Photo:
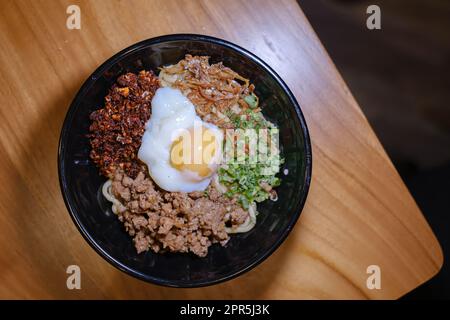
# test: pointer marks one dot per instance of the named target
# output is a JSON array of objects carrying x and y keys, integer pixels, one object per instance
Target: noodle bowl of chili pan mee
[{"x": 184, "y": 160}]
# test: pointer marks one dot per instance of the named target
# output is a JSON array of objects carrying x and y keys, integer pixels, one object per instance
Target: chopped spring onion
[{"x": 251, "y": 100}]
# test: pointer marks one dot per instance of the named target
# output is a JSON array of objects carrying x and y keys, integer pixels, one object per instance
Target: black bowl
[{"x": 81, "y": 183}]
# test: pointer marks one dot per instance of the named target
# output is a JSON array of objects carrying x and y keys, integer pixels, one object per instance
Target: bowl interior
[{"x": 81, "y": 182}]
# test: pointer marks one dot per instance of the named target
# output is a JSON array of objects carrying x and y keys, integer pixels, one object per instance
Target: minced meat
[{"x": 173, "y": 221}]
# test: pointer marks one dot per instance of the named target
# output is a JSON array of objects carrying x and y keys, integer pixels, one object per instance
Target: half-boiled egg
[{"x": 181, "y": 151}]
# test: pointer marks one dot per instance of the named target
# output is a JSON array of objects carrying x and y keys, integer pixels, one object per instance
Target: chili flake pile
[{"x": 116, "y": 130}]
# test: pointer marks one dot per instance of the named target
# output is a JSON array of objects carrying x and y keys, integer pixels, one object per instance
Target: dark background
[{"x": 400, "y": 77}]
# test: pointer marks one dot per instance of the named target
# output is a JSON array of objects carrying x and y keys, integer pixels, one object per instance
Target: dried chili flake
[{"x": 116, "y": 130}]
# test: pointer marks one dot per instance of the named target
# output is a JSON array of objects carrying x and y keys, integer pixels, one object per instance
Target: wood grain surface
[{"x": 358, "y": 212}]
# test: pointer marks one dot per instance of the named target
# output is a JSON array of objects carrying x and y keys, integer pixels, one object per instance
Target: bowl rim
[{"x": 65, "y": 132}]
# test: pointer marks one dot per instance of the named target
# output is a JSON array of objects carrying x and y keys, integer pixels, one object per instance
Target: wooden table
[{"x": 358, "y": 212}]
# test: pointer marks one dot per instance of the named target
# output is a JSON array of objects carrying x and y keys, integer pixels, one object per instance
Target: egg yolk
[{"x": 194, "y": 151}]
